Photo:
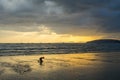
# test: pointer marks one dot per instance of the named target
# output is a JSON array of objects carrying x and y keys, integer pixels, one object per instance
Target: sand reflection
[
  {"x": 27, "y": 64},
  {"x": 57, "y": 67}
]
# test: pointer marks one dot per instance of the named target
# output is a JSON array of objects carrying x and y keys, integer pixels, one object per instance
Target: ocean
[
  {"x": 38, "y": 48},
  {"x": 54, "y": 48}
]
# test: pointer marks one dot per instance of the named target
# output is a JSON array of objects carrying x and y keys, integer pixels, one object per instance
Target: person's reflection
[{"x": 40, "y": 61}]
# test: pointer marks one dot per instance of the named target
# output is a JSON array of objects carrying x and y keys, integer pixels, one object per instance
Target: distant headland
[{"x": 104, "y": 41}]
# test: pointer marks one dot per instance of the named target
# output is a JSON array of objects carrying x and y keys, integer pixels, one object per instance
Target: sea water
[{"x": 38, "y": 48}]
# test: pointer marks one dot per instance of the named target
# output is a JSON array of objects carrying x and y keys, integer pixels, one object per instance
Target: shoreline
[{"x": 60, "y": 53}]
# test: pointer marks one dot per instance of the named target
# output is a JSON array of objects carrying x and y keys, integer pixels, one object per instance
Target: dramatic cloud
[
  {"x": 106, "y": 13},
  {"x": 73, "y": 17}
]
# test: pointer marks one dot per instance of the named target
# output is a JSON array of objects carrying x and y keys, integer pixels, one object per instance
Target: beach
[{"x": 80, "y": 66}]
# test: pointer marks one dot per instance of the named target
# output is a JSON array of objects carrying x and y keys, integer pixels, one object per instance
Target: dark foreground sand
[{"x": 87, "y": 66}]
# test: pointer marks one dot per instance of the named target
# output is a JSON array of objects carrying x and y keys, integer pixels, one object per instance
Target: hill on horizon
[
  {"x": 102, "y": 45},
  {"x": 104, "y": 41}
]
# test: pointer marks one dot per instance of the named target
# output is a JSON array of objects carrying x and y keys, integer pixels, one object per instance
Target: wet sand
[{"x": 86, "y": 66}]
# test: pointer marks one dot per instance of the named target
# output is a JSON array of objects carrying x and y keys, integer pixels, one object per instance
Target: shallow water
[{"x": 86, "y": 66}]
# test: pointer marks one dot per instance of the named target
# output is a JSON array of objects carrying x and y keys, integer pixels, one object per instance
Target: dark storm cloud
[
  {"x": 81, "y": 5},
  {"x": 106, "y": 13},
  {"x": 25, "y": 13},
  {"x": 63, "y": 15}
]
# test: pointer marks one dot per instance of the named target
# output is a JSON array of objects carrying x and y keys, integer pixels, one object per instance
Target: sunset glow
[
  {"x": 44, "y": 35},
  {"x": 58, "y": 21}
]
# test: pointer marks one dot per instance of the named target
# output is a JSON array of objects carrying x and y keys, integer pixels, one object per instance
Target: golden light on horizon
[{"x": 44, "y": 35}]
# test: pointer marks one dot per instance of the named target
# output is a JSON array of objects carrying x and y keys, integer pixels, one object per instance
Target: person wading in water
[{"x": 41, "y": 60}]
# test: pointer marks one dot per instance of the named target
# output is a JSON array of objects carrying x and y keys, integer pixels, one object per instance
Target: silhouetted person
[{"x": 41, "y": 60}]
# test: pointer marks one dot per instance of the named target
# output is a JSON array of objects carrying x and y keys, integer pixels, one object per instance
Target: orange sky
[{"x": 45, "y": 35}]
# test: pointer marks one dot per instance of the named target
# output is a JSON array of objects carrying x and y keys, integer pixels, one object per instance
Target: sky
[{"x": 53, "y": 21}]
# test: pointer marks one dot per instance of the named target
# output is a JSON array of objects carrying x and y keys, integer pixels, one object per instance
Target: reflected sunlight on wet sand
[{"x": 85, "y": 66}]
